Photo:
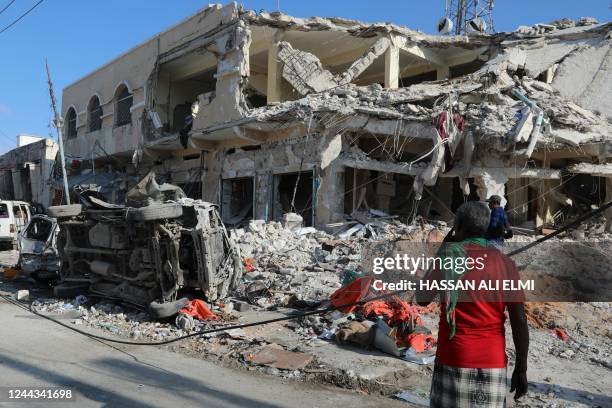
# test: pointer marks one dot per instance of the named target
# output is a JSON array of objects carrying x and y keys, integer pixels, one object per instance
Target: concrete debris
[
  {"x": 276, "y": 357},
  {"x": 298, "y": 267},
  {"x": 293, "y": 221},
  {"x": 23, "y": 295},
  {"x": 287, "y": 261},
  {"x": 304, "y": 71}
]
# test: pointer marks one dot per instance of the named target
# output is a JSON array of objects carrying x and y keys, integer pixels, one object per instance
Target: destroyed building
[
  {"x": 27, "y": 170},
  {"x": 265, "y": 114}
]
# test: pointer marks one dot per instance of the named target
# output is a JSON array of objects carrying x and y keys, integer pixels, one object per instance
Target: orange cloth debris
[
  {"x": 198, "y": 309},
  {"x": 249, "y": 264},
  {"x": 351, "y": 293},
  {"x": 394, "y": 309},
  {"x": 419, "y": 342}
]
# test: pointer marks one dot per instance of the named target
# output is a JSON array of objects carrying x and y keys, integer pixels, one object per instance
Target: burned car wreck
[
  {"x": 38, "y": 254},
  {"x": 143, "y": 253}
]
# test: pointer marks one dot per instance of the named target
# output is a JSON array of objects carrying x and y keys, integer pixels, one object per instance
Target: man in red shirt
[{"x": 471, "y": 361}]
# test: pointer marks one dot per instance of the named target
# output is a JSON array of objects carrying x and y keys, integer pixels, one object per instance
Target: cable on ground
[{"x": 292, "y": 316}]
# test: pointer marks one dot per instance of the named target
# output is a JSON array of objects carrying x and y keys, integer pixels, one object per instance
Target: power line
[
  {"x": 7, "y": 6},
  {"x": 21, "y": 16}
]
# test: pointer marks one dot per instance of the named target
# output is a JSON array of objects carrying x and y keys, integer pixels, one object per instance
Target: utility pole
[{"x": 58, "y": 122}]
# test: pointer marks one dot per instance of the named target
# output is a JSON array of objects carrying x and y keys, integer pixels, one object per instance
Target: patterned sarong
[{"x": 468, "y": 387}]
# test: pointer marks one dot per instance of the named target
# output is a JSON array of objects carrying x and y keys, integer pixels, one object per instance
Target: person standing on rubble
[
  {"x": 471, "y": 362},
  {"x": 499, "y": 226}
]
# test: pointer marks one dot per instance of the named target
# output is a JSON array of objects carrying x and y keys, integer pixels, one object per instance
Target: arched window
[
  {"x": 94, "y": 114},
  {"x": 123, "y": 103},
  {"x": 71, "y": 122}
]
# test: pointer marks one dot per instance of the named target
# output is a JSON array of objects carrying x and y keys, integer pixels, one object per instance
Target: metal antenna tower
[{"x": 470, "y": 15}]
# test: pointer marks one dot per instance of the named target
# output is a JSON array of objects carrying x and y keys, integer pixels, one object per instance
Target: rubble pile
[
  {"x": 307, "y": 265},
  {"x": 289, "y": 261}
]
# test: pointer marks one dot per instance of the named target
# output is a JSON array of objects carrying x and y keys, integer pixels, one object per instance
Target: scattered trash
[
  {"x": 561, "y": 333},
  {"x": 257, "y": 291},
  {"x": 351, "y": 293},
  {"x": 413, "y": 356},
  {"x": 357, "y": 333},
  {"x": 23, "y": 295},
  {"x": 237, "y": 334},
  {"x": 350, "y": 276},
  {"x": 198, "y": 309},
  {"x": 413, "y": 398},
  {"x": 185, "y": 322},
  {"x": 80, "y": 300},
  {"x": 249, "y": 264},
  {"x": 420, "y": 342},
  {"x": 328, "y": 334},
  {"x": 384, "y": 339}
]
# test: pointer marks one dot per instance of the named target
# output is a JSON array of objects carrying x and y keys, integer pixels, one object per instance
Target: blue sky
[{"x": 77, "y": 36}]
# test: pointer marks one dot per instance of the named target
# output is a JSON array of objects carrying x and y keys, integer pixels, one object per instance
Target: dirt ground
[{"x": 570, "y": 372}]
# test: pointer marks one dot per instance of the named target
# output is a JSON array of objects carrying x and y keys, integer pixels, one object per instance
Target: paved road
[{"x": 37, "y": 353}]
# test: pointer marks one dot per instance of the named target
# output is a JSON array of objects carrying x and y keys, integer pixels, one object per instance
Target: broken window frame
[
  {"x": 222, "y": 206},
  {"x": 123, "y": 105},
  {"x": 71, "y": 123},
  {"x": 94, "y": 114},
  {"x": 312, "y": 172}
]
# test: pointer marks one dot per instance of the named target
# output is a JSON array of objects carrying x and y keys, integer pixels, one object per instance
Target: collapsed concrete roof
[{"x": 540, "y": 65}]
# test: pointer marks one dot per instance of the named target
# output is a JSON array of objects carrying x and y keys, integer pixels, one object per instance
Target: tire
[
  {"x": 70, "y": 290},
  {"x": 168, "y": 309},
  {"x": 64, "y": 211},
  {"x": 45, "y": 278},
  {"x": 156, "y": 212}
]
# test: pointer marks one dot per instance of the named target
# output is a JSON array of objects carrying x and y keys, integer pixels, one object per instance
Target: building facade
[
  {"x": 265, "y": 114},
  {"x": 26, "y": 172}
]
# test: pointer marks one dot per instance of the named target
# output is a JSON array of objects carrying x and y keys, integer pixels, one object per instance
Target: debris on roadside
[
  {"x": 23, "y": 295},
  {"x": 276, "y": 357}
]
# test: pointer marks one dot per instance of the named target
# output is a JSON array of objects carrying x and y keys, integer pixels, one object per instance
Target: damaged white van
[
  {"x": 39, "y": 256},
  {"x": 14, "y": 215}
]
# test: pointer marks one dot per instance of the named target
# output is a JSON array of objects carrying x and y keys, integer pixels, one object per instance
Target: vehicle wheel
[
  {"x": 167, "y": 309},
  {"x": 64, "y": 211},
  {"x": 69, "y": 290},
  {"x": 45, "y": 278},
  {"x": 155, "y": 212}
]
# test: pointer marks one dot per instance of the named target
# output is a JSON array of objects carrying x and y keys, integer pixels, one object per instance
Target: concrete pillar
[
  {"x": 263, "y": 195},
  {"x": 490, "y": 183},
  {"x": 212, "y": 177},
  {"x": 274, "y": 86},
  {"x": 443, "y": 73},
  {"x": 330, "y": 195},
  {"x": 392, "y": 67}
]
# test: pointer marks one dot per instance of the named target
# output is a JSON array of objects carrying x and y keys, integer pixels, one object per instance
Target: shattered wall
[
  {"x": 26, "y": 172},
  {"x": 319, "y": 153}
]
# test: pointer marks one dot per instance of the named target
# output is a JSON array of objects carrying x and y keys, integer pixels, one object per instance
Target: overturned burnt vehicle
[{"x": 143, "y": 253}]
